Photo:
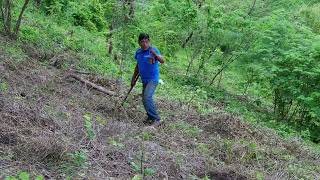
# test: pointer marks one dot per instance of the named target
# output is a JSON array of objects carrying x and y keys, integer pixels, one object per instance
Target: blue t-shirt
[{"x": 147, "y": 71}]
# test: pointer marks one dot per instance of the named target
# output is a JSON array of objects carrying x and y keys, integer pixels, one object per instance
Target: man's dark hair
[{"x": 143, "y": 36}]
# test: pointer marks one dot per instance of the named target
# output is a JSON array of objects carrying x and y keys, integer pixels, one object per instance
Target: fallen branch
[
  {"x": 99, "y": 88},
  {"x": 82, "y": 72}
]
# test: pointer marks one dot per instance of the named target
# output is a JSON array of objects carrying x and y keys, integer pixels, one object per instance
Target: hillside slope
[{"x": 57, "y": 127}]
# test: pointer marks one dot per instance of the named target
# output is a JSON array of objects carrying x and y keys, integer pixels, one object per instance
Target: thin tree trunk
[
  {"x": 20, "y": 17},
  {"x": 275, "y": 102},
  {"x": 131, "y": 8},
  {"x": 187, "y": 40},
  {"x": 252, "y": 7},
  {"x": 228, "y": 62},
  {"x": 2, "y": 13},
  {"x": 203, "y": 60},
  {"x": 121, "y": 65},
  {"x": 224, "y": 66},
  {"x": 287, "y": 110},
  {"x": 190, "y": 62},
  {"x": 201, "y": 66},
  {"x": 293, "y": 112},
  {"x": 7, "y": 17},
  {"x": 130, "y": 14},
  {"x": 219, "y": 82},
  {"x": 109, "y": 38}
]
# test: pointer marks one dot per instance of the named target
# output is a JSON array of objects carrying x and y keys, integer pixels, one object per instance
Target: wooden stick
[
  {"x": 99, "y": 88},
  {"x": 136, "y": 79}
]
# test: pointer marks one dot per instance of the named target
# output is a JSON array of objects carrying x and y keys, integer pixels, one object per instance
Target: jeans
[{"x": 147, "y": 93}]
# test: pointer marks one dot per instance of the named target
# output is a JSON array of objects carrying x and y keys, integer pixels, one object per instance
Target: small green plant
[
  {"x": 74, "y": 161},
  {"x": 101, "y": 121},
  {"x": 146, "y": 136},
  {"x": 78, "y": 158},
  {"x": 10, "y": 178},
  {"x": 136, "y": 167},
  {"x": 88, "y": 125},
  {"x": 115, "y": 143},
  {"x": 228, "y": 146},
  {"x": 259, "y": 175},
  {"x": 23, "y": 175},
  {"x": 136, "y": 177},
  {"x": 252, "y": 151},
  {"x": 205, "y": 178},
  {"x": 39, "y": 177},
  {"x": 202, "y": 147},
  {"x": 15, "y": 52},
  {"x": 148, "y": 171},
  {"x": 194, "y": 177},
  {"x": 186, "y": 128},
  {"x": 4, "y": 86}
]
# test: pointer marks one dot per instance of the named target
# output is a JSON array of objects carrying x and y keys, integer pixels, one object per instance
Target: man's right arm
[{"x": 134, "y": 76}]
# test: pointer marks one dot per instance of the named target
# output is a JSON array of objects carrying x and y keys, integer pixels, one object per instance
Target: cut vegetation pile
[{"x": 57, "y": 127}]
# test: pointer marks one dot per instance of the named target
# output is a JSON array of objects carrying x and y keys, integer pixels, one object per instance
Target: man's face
[{"x": 144, "y": 44}]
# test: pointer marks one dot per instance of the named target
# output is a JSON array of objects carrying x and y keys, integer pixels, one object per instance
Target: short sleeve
[{"x": 135, "y": 55}]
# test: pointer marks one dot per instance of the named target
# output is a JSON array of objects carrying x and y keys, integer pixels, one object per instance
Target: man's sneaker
[{"x": 156, "y": 124}]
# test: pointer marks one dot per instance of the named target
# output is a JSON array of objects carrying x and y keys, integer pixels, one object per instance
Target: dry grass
[{"x": 43, "y": 131}]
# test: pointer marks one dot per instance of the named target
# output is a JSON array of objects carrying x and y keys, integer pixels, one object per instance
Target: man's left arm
[{"x": 157, "y": 56}]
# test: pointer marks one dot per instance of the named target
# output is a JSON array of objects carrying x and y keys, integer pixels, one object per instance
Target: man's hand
[
  {"x": 153, "y": 52},
  {"x": 151, "y": 60},
  {"x": 135, "y": 76},
  {"x": 157, "y": 57}
]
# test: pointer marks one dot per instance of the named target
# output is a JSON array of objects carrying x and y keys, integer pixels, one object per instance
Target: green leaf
[
  {"x": 10, "y": 178},
  {"x": 137, "y": 177},
  {"x": 23, "y": 175},
  {"x": 39, "y": 177},
  {"x": 135, "y": 167},
  {"x": 148, "y": 171},
  {"x": 115, "y": 143},
  {"x": 3, "y": 86},
  {"x": 259, "y": 175}
]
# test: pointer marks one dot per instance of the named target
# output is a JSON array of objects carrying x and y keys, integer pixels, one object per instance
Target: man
[{"x": 147, "y": 67}]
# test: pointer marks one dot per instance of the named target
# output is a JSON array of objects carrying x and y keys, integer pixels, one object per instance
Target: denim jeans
[{"x": 147, "y": 93}]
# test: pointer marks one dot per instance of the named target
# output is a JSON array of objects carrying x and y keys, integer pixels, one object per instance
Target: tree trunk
[
  {"x": 7, "y": 17},
  {"x": 203, "y": 60},
  {"x": 228, "y": 62},
  {"x": 252, "y": 7},
  {"x": 109, "y": 38},
  {"x": 187, "y": 40},
  {"x": 190, "y": 62},
  {"x": 130, "y": 14},
  {"x": 20, "y": 18},
  {"x": 223, "y": 67},
  {"x": 219, "y": 82},
  {"x": 2, "y": 13},
  {"x": 131, "y": 8}
]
